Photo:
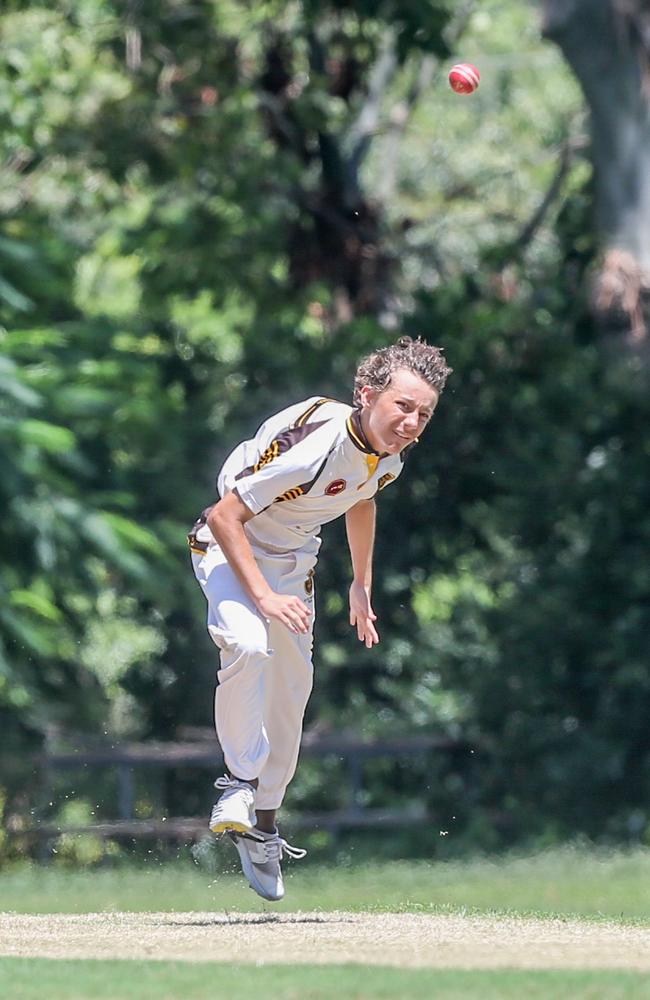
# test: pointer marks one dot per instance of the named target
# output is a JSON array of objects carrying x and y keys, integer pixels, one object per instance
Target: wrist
[{"x": 260, "y": 594}]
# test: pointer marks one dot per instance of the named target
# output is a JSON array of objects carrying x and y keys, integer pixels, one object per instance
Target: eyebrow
[{"x": 409, "y": 399}]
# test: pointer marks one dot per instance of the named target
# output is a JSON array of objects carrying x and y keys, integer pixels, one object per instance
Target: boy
[{"x": 254, "y": 553}]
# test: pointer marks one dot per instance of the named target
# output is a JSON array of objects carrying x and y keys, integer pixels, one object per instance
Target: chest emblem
[{"x": 335, "y": 487}]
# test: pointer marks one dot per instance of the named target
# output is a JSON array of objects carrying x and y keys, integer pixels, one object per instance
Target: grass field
[
  {"x": 23, "y": 979},
  {"x": 574, "y": 883},
  {"x": 571, "y": 881}
]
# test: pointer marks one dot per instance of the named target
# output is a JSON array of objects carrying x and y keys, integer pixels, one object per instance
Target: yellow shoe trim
[{"x": 228, "y": 825}]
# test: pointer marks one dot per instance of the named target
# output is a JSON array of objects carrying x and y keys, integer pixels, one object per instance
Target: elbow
[
  {"x": 215, "y": 523},
  {"x": 227, "y": 517}
]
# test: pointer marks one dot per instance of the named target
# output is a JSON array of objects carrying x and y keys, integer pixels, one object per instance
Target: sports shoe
[
  {"x": 235, "y": 809},
  {"x": 260, "y": 861}
]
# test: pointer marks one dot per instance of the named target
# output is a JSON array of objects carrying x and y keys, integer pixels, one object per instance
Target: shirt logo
[
  {"x": 335, "y": 487},
  {"x": 385, "y": 480}
]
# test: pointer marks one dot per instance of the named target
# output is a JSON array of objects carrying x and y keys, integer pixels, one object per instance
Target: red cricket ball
[{"x": 464, "y": 78}]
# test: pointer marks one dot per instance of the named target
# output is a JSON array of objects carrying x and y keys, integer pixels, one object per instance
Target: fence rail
[{"x": 203, "y": 751}]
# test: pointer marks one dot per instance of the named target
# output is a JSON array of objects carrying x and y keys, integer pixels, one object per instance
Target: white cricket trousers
[{"x": 266, "y": 673}]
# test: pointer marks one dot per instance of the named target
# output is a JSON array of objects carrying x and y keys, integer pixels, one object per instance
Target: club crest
[{"x": 335, "y": 487}]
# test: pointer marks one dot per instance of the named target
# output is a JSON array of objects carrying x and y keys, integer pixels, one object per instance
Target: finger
[
  {"x": 291, "y": 621},
  {"x": 304, "y": 622},
  {"x": 371, "y": 636},
  {"x": 297, "y": 624},
  {"x": 307, "y": 622},
  {"x": 299, "y": 612}
]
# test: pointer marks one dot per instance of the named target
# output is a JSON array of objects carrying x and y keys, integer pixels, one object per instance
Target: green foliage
[{"x": 209, "y": 210}]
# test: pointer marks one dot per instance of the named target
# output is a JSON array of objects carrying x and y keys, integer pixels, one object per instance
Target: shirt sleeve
[
  {"x": 388, "y": 477},
  {"x": 287, "y": 469}
]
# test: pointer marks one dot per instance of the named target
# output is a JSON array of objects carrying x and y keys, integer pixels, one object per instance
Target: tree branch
[
  {"x": 367, "y": 121},
  {"x": 399, "y": 118},
  {"x": 569, "y": 147},
  {"x": 401, "y": 112},
  {"x": 336, "y": 174},
  {"x": 285, "y": 127}
]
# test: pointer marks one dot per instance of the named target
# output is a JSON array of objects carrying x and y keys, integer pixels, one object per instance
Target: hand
[
  {"x": 289, "y": 610},
  {"x": 362, "y": 615}
]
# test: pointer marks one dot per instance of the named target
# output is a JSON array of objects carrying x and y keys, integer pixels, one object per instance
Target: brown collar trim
[{"x": 359, "y": 439}]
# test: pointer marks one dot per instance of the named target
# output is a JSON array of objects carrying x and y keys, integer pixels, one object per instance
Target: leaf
[
  {"x": 37, "y": 603},
  {"x": 11, "y": 385},
  {"x": 47, "y": 436},
  {"x": 13, "y": 297},
  {"x": 132, "y": 533}
]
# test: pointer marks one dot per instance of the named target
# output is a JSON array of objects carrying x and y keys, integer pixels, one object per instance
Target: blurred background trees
[{"x": 209, "y": 210}]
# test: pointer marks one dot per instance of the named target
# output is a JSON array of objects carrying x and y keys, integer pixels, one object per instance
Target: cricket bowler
[{"x": 254, "y": 553}]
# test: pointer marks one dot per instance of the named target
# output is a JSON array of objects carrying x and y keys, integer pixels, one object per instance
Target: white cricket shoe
[
  {"x": 260, "y": 861},
  {"x": 235, "y": 809}
]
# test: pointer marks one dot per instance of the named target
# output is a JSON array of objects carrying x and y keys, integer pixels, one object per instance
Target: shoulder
[
  {"x": 320, "y": 419},
  {"x": 321, "y": 408}
]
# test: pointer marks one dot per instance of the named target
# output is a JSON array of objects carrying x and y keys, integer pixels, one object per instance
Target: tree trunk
[
  {"x": 606, "y": 44},
  {"x": 599, "y": 46}
]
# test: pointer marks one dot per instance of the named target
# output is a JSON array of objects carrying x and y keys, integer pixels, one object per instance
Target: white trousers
[{"x": 266, "y": 672}]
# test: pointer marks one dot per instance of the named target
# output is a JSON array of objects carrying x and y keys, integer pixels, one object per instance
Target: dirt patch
[{"x": 404, "y": 940}]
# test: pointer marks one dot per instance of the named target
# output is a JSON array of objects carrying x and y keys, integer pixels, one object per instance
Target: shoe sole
[{"x": 226, "y": 826}]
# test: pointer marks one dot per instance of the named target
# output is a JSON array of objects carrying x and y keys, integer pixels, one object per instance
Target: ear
[{"x": 368, "y": 395}]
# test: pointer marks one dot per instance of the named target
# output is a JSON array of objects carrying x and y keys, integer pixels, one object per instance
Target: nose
[{"x": 411, "y": 421}]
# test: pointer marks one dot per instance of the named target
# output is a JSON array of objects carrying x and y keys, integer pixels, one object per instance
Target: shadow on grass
[{"x": 234, "y": 919}]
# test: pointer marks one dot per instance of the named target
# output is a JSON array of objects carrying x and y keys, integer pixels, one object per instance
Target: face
[{"x": 394, "y": 418}]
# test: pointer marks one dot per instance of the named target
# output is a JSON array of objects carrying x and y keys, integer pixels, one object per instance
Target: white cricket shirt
[{"x": 305, "y": 466}]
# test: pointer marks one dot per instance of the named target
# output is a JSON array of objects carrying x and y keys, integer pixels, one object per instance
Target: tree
[{"x": 607, "y": 44}]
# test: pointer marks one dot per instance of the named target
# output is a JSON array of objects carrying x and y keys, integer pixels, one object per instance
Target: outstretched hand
[{"x": 362, "y": 615}]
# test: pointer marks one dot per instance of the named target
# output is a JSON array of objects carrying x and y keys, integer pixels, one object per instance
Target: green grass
[
  {"x": 591, "y": 884},
  {"x": 570, "y": 881},
  {"x": 32, "y": 979}
]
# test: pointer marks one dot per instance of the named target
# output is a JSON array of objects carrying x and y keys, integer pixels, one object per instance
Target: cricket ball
[{"x": 464, "y": 78}]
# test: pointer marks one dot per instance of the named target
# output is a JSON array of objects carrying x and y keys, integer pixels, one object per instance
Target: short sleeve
[
  {"x": 287, "y": 468},
  {"x": 387, "y": 478}
]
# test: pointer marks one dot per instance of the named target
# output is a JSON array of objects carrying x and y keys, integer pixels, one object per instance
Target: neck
[{"x": 363, "y": 426}]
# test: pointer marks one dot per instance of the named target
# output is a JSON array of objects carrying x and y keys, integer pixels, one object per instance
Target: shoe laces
[
  {"x": 225, "y": 781},
  {"x": 276, "y": 846}
]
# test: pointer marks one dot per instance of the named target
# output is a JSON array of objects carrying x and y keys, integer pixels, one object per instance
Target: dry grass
[{"x": 402, "y": 940}]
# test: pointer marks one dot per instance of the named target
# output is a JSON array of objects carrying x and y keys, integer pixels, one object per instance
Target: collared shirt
[{"x": 305, "y": 466}]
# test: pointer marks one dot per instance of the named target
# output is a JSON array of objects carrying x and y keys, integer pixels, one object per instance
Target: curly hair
[{"x": 415, "y": 356}]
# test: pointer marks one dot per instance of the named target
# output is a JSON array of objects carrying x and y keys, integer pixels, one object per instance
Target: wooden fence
[{"x": 202, "y": 751}]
